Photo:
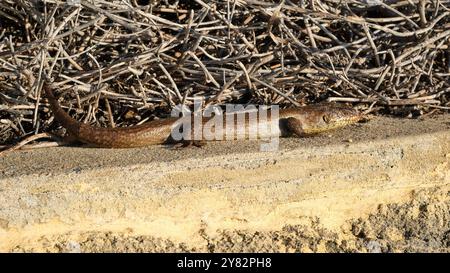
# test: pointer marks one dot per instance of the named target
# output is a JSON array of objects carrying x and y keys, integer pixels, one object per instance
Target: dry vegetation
[{"x": 123, "y": 62}]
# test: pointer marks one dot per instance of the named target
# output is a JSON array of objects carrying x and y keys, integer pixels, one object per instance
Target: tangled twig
[{"x": 125, "y": 61}]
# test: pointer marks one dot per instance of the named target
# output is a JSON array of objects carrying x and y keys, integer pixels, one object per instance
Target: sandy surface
[{"x": 373, "y": 187}]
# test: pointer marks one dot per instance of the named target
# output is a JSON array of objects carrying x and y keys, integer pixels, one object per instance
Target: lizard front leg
[{"x": 294, "y": 126}]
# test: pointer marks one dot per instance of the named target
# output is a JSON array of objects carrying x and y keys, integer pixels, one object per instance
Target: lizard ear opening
[{"x": 326, "y": 118}]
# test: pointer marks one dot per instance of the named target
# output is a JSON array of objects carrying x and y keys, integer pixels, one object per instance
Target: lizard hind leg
[
  {"x": 196, "y": 143},
  {"x": 188, "y": 143},
  {"x": 294, "y": 127},
  {"x": 184, "y": 143}
]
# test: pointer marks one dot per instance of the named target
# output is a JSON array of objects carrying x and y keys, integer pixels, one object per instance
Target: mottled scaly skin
[{"x": 301, "y": 121}]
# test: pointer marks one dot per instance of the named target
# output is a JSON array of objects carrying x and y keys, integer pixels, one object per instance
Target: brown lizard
[{"x": 300, "y": 121}]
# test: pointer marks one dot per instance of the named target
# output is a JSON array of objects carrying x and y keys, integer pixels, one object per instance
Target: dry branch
[{"x": 125, "y": 61}]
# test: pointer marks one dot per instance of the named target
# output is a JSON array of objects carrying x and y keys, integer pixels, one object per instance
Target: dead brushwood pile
[{"x": 122, "y": 62}]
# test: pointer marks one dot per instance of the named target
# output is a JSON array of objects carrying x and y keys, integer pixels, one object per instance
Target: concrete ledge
[{"x": 227, "y": 196}]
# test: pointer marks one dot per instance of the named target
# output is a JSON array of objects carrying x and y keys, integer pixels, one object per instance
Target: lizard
[{"x": 299, "y": 121}]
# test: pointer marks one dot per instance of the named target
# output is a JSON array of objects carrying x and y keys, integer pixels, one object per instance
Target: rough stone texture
[{"x": 374, "y": 187}]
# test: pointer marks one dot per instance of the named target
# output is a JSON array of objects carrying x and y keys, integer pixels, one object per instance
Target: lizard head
[{"x": 330, "y": 117}]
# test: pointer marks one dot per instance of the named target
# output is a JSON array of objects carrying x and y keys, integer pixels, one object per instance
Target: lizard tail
[{"x": 71, "y": 124}]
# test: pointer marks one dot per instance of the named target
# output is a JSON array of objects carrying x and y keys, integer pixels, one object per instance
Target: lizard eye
[{"x": 326, "y": 118}]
